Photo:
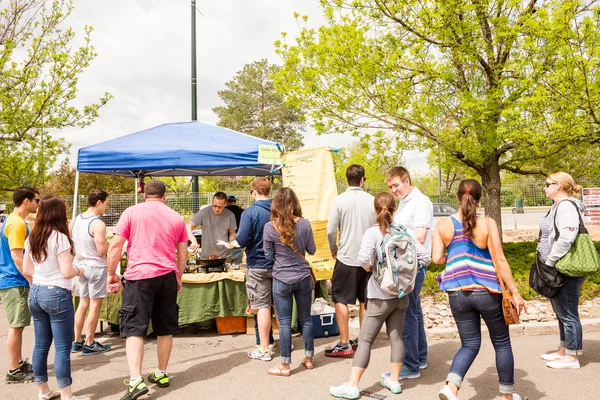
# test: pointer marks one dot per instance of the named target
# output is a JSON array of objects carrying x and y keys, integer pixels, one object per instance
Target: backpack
[{"x": 397, "y": 264}]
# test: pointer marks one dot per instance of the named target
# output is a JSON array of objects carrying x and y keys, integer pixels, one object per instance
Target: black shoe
[
  {"x": 162, "y": 381},
  {"x": 26, "y": 366},
  {"x": 354, "y": 344},
  {"x": 19, "y": 376},
  {"x": 339, "y": 351},
  {"x": 136, "y": 391}
]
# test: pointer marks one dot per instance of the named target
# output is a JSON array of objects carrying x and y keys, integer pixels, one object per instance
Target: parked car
[{"x": 443, "y": 210}]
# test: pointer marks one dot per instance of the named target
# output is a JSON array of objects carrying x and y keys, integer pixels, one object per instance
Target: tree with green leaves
[
  {"x": 468, "y": 77},
  {"x": 39, "y": 71},
  {"x": 253, "y": 106},
  {"x": 62, "y": 182},
  {"x": 28, "y": 162},
  {"x": 376, "y": 158}
]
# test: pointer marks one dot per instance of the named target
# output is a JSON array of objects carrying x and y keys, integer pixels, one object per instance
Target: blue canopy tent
[{"x": 175, "y": 149}]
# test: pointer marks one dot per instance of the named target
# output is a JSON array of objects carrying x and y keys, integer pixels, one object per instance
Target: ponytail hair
[
  {"x": 469, "y": 195},
  {"x": 567, "y": 183},
  {"x": 385, "y": 207}
]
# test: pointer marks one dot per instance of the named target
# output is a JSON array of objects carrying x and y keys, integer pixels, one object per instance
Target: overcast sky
[{"x": 144, "y": 60}]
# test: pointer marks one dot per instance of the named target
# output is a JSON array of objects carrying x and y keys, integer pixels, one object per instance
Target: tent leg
[
  {"x": 75, "y": 195},
  {"x": 136, "y": 189}
]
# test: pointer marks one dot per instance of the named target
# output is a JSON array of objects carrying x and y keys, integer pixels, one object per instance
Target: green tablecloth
[
  {"x": 205, "y": 301},
  {"x": 197, "y": 302}
]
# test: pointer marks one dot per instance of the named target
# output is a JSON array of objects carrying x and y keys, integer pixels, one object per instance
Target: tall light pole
[{"x": 195, "y": 188}]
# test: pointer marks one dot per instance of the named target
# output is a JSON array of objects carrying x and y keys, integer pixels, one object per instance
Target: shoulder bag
[
  {"x": 543, "y": 278},
  {"x": 509, "y": 308},
  {"x": 582, "y": 258}
]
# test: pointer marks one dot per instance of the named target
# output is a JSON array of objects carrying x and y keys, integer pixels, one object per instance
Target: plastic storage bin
[{"x": 324, "y": 324}]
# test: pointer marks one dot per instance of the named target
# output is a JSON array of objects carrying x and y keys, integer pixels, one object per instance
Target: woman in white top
[
  {"x": 381, "y": 308},
  {"x": 47, "y": 260}
]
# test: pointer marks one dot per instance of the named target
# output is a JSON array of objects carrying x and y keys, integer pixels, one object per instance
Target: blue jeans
[
  {"x": 566, "y": 307},
  {"x": 468, "y": 308},
  {"x": 53, "y": 317},
  {"x": 282, "y": 297},
  {"x": 413, "y": 336}
]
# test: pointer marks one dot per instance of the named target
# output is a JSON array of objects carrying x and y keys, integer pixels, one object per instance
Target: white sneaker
[
  {"x": 551, "y": 357},
  {"x": 563, "y": 365},
  {"x": 258, "y": 354},
  {"x": 446, "y": 394},
  {"x": 345, "y": 391},
  {"x": 392, "y": 386},
  {"x": 516, "y": 396}
]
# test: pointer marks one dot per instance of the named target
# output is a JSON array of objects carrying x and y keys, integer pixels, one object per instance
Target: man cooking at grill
[{"x": 217, "y": 223}]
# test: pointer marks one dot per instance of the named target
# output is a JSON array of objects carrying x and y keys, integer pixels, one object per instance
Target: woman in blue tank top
[{"x": 473, "y": 289}]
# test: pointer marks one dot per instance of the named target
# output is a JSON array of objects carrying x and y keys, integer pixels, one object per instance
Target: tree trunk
[{"x": 490, "y": 180}]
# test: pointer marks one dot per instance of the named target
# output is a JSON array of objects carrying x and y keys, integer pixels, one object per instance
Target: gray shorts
[
  {"x": 92, "y": 284},
  {"x": 259, "y": 287}
]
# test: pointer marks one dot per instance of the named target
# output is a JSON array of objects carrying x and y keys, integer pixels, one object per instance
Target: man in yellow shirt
[{"x": 14, "y": 288}]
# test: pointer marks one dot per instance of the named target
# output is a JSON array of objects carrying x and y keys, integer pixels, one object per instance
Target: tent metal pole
[
  {"x": 195, "y": 185},
  {"x": 75, "y": 195}
]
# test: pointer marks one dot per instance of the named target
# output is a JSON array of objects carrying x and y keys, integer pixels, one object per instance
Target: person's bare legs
[
  {"x": 164, "y": 347},
  {"x": 134, "y": 348},
  {"x": 355, "y": 375},
  {"x": 395, "y": 373},
  {"x": 84, "y": 303},
  {"x": 361, "y": 313},
  {"x": 342, "y": 315},
  {"x": 264, "y": 327},
  {"x": 14, "y": 342},
  {"x": 66, "y": 394},
  {"x": 92, "y": 320}
]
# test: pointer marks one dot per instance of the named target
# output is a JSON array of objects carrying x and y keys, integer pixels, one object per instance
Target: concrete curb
[{"x": 522, "y": 329}]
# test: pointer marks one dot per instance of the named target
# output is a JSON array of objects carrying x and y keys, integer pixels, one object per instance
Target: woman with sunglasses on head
[
  {"x": 286, "y": 239},
  {"x": 473, "y": 289},
  {"x": 48, "y": 251},
  {"x": 558, "y": 230}
]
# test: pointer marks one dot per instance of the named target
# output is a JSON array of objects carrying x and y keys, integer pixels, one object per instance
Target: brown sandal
[
  {"x": 279, "y": 371},
  {"x": 307, "y": 361}
]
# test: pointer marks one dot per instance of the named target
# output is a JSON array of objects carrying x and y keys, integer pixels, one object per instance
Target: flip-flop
[
  {"x": 307, "y": 362},
  {"x": 49, "y": 396},
  {"x": 279, "y": 371}
]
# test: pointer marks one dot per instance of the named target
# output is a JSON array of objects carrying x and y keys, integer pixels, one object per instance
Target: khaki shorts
[
  {"x": 92, "y": 283},
  {"x": 15, "y": 306},
  {"x": 259, "y": 287}
]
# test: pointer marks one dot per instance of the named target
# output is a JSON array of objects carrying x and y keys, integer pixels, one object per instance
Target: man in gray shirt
[
  {"x": 217, "y": 224},
  {"x": 352, "y": 213}
]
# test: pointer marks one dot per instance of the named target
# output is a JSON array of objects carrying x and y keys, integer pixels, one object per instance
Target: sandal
[
  {"x": 307, "y": 361},
  {"x": 279, "y": 371},
  {"x": 49, "y": 396}
]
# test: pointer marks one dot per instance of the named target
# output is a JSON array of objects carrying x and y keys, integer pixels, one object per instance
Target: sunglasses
[
  {"x": 251, "y": 191},
  {"x": 548, "y": 184}
]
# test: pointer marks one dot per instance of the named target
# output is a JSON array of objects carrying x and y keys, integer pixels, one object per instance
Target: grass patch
[{"x": 520, "y": 256}]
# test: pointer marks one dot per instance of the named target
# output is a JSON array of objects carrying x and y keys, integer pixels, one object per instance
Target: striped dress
[{"x": 468, "y": 267}]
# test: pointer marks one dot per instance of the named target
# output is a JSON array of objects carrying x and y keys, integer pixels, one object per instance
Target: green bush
[{"x": 520, "y": 256}]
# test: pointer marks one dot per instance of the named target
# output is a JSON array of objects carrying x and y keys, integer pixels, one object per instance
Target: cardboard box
[{"x": 250, "y": 326}]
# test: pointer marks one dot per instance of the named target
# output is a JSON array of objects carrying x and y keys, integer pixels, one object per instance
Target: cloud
[{"x": 144, "y": 59}]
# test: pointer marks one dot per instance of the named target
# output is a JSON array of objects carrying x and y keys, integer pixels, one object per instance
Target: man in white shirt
[
  {"x": 415, "y": 213},
  {"x": 352, "y": 213}
]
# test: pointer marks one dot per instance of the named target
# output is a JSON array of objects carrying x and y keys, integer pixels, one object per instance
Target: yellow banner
[{"x": 309, "y": 173}]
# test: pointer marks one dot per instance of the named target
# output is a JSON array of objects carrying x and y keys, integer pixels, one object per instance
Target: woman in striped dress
[{"x": 473, "y": 289}]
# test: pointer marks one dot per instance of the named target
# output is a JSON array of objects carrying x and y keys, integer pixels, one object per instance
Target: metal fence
[{"x": 526, "y": 193}]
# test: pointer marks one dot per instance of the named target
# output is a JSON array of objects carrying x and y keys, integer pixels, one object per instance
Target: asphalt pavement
[{"x": 205, "y": 365}]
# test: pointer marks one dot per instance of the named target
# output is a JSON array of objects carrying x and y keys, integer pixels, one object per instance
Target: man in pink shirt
[{"x": 156, "y": 253}]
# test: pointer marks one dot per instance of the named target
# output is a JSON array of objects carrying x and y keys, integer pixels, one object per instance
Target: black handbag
[{"x": 544, "y": 279}]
